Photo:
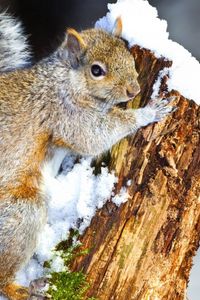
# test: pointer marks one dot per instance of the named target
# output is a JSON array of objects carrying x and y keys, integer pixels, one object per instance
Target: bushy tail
[{"x": 14, "y": 52}]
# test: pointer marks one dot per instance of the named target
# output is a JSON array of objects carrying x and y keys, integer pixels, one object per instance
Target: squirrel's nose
[
  {"x": 129, "y": 93},
  {"x": 132, "y": 90}
]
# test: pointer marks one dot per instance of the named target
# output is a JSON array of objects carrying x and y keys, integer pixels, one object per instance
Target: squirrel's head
[{"x": 103, "y": 64}]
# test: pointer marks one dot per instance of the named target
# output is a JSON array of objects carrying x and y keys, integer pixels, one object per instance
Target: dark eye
[{"x": 97, "y": 70}]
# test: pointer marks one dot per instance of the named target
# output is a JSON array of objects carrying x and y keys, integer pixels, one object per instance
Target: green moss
[
  {"x": 67, "y": 285},
  {"x": 123, "y": 255},
  {"x": 69, "y": 243}
]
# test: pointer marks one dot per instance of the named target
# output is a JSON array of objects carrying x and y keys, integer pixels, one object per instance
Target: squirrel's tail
[{"x": 14, "y": 52}]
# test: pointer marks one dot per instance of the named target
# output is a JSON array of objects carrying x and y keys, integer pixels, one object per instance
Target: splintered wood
[{"x": 143, "y": 249}]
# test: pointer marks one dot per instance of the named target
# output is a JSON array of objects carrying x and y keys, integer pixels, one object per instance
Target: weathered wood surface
[{"x": 144, "y": 248}]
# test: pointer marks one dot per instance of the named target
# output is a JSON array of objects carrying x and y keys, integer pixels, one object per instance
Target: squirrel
[
  {"x": 67, "y": 101},
  {"x": 14, "y": 49}
]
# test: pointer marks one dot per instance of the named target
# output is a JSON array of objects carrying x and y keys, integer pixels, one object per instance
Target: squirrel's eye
[{"x": 97, "y": 71}]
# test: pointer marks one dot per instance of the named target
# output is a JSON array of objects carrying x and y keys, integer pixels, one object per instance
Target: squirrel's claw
[
  {"x": 38, "y": 289},
  {"x": 155, "y": 111},
  {"x": 162, "y": 107}
]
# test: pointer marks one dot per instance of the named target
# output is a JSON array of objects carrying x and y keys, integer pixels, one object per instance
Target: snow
[
  {"x": 74, "y": 195},
  {"x": 157, "y": 84},
  {"x": 142, "y": 26},
  {"x": 193, "y": 285},
  {"x": 120, "y": 198}
]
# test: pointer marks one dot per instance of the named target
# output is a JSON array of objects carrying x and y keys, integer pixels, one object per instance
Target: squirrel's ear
[
  {"x": 75, "y": 46},
  {"x": 117, "y": 29}
]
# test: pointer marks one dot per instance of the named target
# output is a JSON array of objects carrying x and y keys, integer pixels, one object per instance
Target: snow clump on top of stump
[{"x": 142, "y": 26}]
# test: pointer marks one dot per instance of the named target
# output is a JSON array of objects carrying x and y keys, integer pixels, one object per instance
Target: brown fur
[{"x": 15, "y": 292}]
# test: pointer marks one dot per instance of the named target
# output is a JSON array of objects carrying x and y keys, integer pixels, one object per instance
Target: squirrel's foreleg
[{"x": 94, "y": 133}]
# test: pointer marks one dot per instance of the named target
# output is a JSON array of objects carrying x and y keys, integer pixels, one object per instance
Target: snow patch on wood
[{"x": 74, "y": 196}]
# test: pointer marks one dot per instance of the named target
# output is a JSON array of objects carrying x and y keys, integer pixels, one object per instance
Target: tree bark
[{"x": 143, "y": 249}]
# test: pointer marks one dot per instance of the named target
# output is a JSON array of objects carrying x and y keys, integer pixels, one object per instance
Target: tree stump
[{"x": 143, "y": 249}]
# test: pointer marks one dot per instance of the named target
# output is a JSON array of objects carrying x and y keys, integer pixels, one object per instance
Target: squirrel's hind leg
[{"x": 20, "y": 222}]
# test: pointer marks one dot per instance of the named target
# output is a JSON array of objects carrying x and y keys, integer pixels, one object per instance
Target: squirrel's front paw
[
  {"x": 155, "y": 111},
  {"x": 161, "y": 107}
]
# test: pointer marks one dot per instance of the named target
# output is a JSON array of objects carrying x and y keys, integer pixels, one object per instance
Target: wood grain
[{"x": 143, "y": 250}]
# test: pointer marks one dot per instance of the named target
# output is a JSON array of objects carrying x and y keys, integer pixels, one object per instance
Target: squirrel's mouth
[
  {"x": 109, "y": 104},
  {"x": 123, "y": 104}
]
